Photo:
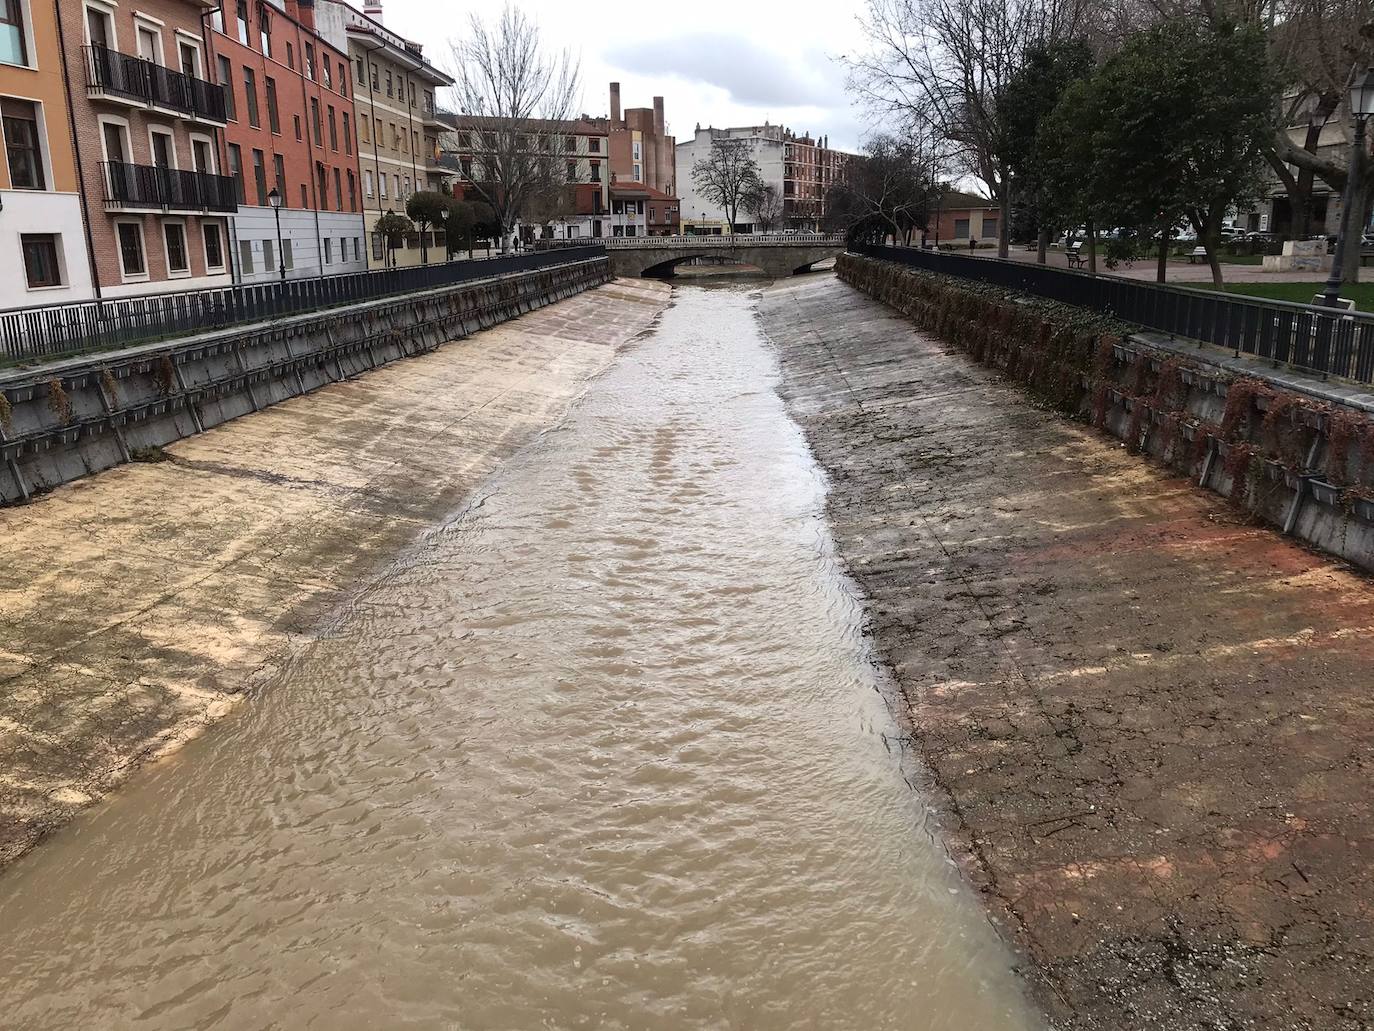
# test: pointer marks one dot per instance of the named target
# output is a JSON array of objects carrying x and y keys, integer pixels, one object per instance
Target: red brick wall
[{"x": 294, "y": 93}]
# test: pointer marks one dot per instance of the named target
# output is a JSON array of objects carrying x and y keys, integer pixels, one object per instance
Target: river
[{"x": 604, "y": 749}]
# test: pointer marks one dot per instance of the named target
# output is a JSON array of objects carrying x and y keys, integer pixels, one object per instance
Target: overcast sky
[{"x": 721, "y": 62}]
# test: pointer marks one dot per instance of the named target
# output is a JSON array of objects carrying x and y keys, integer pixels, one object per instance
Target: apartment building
[
  {"x": 798, "y": 167},
  {"x": 147, "y": 115},
  {"x": 289, "y": 142},
  {"x": 398, "y": 123},
  {"x": 42, "y": 239}
]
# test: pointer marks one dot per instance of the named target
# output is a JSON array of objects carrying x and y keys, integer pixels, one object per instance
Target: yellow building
[
  {"x": 41, "y": 230},
  {"x": 398, "y": 122}
]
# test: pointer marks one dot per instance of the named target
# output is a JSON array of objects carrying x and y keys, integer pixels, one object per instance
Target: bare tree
[
  {"x": 515, "y": 99},
  {"x": 726, "y": 176},
  {"x": 941, "y": 64},
  {"x": 765, "y": 204}
]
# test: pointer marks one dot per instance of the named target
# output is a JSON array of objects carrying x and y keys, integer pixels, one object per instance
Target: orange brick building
[{"x": 290, "y": 129}]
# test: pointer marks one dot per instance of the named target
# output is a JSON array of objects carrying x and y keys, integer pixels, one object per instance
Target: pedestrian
[{"x": 972, "y": 244}]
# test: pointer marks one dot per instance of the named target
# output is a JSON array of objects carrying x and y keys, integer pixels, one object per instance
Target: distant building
[
  {"x": 960, "y": 217},
  {"x": 398, "y": 121},
  {"x": 289, "y": 106},
  {"x": 619, "y": 171},
  {"x": 42, "y": 239},
  {"x": 801, "y": 169}
]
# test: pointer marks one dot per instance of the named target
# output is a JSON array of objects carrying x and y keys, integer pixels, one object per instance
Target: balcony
[
  {"x": 151, "y": 188},
  {"x": 125, "y": 79}
]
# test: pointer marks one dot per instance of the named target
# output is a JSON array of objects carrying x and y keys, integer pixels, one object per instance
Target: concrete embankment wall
[
  {"x": 1299, "y": 457},
  {"x": 80, "y": 416}
]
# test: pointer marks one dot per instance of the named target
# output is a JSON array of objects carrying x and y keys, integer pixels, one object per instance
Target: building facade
[
  {"x": 288, "y": 142},
  {"x": 42, "y": 237},
  {"x": 147, "y": 118},
  {"x": 397, "y": 121},
  {"x": 799, "y": 168},
  {"x": 961, "y": 217}
]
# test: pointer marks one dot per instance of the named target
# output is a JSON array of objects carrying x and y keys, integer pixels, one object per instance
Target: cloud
[{"x": 750, "y": 74}]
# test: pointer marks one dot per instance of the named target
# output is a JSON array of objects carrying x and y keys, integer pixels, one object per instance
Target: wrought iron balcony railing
[
  {"x": 124, "y": 77},
  {"x": 149, "y": 187}
]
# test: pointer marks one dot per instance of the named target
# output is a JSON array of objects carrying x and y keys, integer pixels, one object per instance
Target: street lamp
[
  {"x": 390, "y": 250},
  {"x": 1361, "y": 106},
  {"x": 274, "y": 198}
]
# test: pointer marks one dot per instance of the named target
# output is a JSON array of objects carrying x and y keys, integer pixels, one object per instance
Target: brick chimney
[
  {"x": 658, "y": 116},
  {"x": 373, "y": 9},
  {"x": 615, "y": 105},
  {"x": 304, "y": 12}
]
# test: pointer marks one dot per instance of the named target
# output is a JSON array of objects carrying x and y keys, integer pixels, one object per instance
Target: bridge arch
[{"x": 778, "y": 254}]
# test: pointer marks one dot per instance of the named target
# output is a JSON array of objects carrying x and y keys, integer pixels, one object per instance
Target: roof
[
  {"x": 956, "y": 199},
  {"x": 583, "y": 126},
  {"x": 639, "y": 190}
]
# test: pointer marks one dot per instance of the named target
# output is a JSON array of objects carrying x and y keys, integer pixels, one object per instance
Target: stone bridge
[{"x": 778, "y": 254}]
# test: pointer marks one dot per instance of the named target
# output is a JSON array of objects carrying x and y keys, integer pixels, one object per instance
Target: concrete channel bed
[
  {"x": 138, "y": 606},
  {"x": 72, "y": 418},
  {"x": 1147, "y": 716}
]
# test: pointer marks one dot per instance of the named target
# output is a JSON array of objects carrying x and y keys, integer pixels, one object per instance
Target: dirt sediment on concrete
[
  {"x": 138, "y": 605},
  {"x": 1149, "y": 722}
]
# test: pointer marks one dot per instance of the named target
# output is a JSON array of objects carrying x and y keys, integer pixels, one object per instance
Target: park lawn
[{"x": 1302, "y": 293}]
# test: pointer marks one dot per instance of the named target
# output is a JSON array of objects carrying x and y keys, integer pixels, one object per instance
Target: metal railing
[
  {"x": 1331, "y": 342},
  {"x": 69, "y": 329},
  {"x": 113, "y": 74},
  {"x": 133, "y": 187},
  {"x": 738, "y": 240}
]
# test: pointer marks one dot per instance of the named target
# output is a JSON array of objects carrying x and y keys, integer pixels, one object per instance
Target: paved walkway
[
  {"x": 1178, "y": 271},
  {"x": 1150, "y": 723}
]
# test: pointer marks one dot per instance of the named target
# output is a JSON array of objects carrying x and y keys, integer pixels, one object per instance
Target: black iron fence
[
  {"x": 1332, "y": 342},
  {"x": 113, "y": 74},
  {"x": 67, "y": 329}
]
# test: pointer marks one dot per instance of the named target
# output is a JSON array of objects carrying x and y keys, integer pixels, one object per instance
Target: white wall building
[
  {"x": 766, "y": 145},
  {"x": 30, "y": 214},
  {"x": 313, "y": 243}
]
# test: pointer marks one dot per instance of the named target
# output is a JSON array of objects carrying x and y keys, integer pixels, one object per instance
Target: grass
[{"x": 1302, "y": 293}]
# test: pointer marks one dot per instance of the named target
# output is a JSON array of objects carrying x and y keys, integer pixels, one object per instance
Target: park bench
[
  {"x": 1075, "y": 256},
  {"x": 1198, "y": 254}
]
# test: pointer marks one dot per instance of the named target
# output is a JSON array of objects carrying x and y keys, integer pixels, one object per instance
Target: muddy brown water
[{"x": 605, "y": 749}]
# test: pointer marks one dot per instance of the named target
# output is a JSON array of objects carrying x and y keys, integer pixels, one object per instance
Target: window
[
  {"x": 961, "y": 229},
  {"x": 273, "y": 119},
  {"x": 202, "y": 155},
  {"x": 149, "y": 44},
  {"x": 13, "y": 45},
  {"x": 226, "y": 78},
  {"x": 280, "y": 170},
  {"x": 290, "y": 56},
  {"x": 338, "y": 190},
  {"x": 414, "y": 143},
  {"x": 381, "y": 179},
  {"x": 328, "y": 251},
  {"x": 324, "y": 67},
  {"x": 376, "y": 246},
  {"x": 333, "y": 130},
  {"x": 246, "y": 257},
  {"x": 250, "y": 96},
  {"x": 364, "y": 129},
  {"x": 407, "y": 185},
  {"x": 412, "y": 94},
  {"x": 343, "y": 79},
  {"x": 310, "y": 60},
  {"x": 214, "y": 245},
  {"x": 236, "y": 170},
  {"x": 297, "y": 120},
  {"x": 594, "y": 145},
  {"x": 315, "y": 121},
  {"x": 288, "y": 259},
  {"x": 265, "y": 31},
  {"x": 388, "y": 83},
  {"x": 305, "y": 196},
  {"x": 352, "y": 191},
  {"x": 41, "y": 267},
  {"x": 322, "y": 186},
  {"x": 116, "y": 145},
  {"x": 99, "y": 30},
  {"x": 596, "y": 171},
  {"x": 260, "y": 177},
  {"x": 269, "y": 256},
  {"x": 990, "y": 228},
  {"x": 374, "y": 78},
  {"x": 241, "y": 13},
  {"x": 190, "y": 59},
  {"x": 131, "y": 250},
  {"x": 367, "y": 182},
  {"x": 164, "y": 152},
  {"x": 362, "y": 75},
  {"x": 348, "y": 134},
  {"x": 572, "y": 171},
  {"x": 20, "y": 118},
  {"x": 639, "y": 173},
  {"x": 174, "y": 235},
  {"x": 638, "y": 149}
]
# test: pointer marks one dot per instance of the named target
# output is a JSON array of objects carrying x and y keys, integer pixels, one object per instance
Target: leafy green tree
[
  {"x": 1024, "y": 107},
  {"x": 1176, "y": 124},
  {"x": 394, "y": 229},
  {"x": 426, "y": 208}
]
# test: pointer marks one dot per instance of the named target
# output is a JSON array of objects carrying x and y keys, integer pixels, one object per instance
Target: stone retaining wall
[
  {"x": 80, "y": 416},
  {"x": 1295, "y": 459}
]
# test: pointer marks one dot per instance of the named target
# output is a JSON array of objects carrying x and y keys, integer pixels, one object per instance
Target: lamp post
[
  {"x": 1361, "y": 107},
  {"x": 274, "y": 198},
  {"x": 390, "y": 250}
]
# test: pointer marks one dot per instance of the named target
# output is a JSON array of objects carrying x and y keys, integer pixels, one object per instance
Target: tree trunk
[
  {"x": 1355, "y": 220},
  {"x": 1213, "y": 243},
  {"x": 1092, "y": 249},
  {"x": 1042, "y": 246},
  {"x": 1162, "y": 268},
  {"x": 1004, "y": 217}
]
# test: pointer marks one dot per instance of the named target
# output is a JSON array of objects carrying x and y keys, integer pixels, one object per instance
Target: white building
[{"x": 767, "y": 147}]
